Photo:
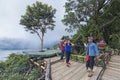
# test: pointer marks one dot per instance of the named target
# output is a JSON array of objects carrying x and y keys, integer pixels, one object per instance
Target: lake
[{"x": 5, "y": 53}]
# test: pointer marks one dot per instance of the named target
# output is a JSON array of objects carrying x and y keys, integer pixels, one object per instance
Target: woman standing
[
  {"x": 68, "y": 47},
  {"x": 92, "y": 52}
]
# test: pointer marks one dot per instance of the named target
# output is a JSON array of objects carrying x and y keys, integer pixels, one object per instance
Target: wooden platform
[
  {"x": 77, "y": 71},
  {"x": 113, "y": 69}
]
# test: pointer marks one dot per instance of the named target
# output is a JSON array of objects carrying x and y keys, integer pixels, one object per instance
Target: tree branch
[
  {"x": 37, "y": 33},
  {"x": 107, "y": 23}
]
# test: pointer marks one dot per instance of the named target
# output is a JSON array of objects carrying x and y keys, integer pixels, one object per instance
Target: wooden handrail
[
  {"x": 105, "y": 60},
  {"x": 76, "y": 56},
  {"x": 79, "y": 56}
]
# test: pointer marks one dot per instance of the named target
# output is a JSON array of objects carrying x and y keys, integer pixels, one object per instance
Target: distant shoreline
[{"x": 5, "y": 53}]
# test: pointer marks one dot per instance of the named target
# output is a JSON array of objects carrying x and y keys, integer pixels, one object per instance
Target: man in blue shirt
[
  {"x": 68, "y": 47},
  {"x": 92, "y": 51}
]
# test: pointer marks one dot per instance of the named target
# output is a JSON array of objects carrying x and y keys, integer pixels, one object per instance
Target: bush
[{"x": 16, "y": 67}]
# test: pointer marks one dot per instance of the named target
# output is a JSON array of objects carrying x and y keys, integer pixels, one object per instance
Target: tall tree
[
  {"x": 110, "y": 23},
  {"x": 38, "y": 18},
  {"x": 100, "y": 17},
  {"x": 80, "y": 12}
]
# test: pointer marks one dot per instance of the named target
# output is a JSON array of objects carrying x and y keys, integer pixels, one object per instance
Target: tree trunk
[{"x": 42, "y": 39}]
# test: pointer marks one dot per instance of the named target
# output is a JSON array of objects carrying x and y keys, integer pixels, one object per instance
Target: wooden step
[
  {"x": 114, "y": 63},
  {"x": 106, "y": 77},
  {"x": 96, "y": 73},
  {"x": 113, "y": 69},
  {"x": 110, "y": 76}
]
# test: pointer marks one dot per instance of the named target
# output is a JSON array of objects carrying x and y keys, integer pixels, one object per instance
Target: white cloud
[{"x": 11, "y": 11}]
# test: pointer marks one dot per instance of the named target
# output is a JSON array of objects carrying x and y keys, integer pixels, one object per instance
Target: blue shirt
[
  {"x": 92, "y": 49},
  {"x": 68, "y": 47}
]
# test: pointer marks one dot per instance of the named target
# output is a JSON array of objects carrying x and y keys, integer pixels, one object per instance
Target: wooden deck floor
[
  {"x": 113, "y": 69},
  {"x": 77, "y": 71}
]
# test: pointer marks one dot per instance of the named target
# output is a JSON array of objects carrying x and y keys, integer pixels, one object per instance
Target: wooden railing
[
  {"x": 105, "y": 58},
  {"x": 42, "y": 64},
  {"x": 77, "y": 57},
  {"x": 40, "y": 60}
]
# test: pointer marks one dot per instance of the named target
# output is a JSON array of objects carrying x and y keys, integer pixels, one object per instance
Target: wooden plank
[
  {"x": 57, "y": 64},
  {"x": 114, "y": 63},
  {"x": 57, "y": 68},
  {"x": 54, "y": 59},
  {"x": 77, "y": 71},
  {"x": 65, "y": 70},
  {"x": 74, "y": 73},
  {"x": 78, "y": 74},
  {"x": 112, "y": 72},
  {"x": 79, "y": 56},
  {"x": 113, "y": 69},
  {"x": 85, "y": 77},
  {"x": 114, "y": 66},
  {"x": 96, "y": 73},
  {"x": 72, "y": 69},
  {"x": 110, "y": 76},
  {"x": 60, "y": 67}
]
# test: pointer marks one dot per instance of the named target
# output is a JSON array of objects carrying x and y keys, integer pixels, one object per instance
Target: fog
[{"x": 10, "y": 14}]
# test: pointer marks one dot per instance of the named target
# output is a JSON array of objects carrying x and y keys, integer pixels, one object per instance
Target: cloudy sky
[{"x": 10, "y": 14}]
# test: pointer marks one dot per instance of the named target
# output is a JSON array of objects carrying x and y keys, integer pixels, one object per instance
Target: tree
[
  {"x": 89, "y": 17},
  {"x": 38, "y": 18},
  {"x": 111, "y": 24},
  {"x": 79, "y": 12}
]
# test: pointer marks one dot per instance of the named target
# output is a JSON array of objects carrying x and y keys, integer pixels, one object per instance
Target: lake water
[{"x": 5, "y": 53}]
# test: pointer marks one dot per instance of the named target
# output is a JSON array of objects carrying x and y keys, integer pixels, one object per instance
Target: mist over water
[
  {"x": 5, "y": 53},
  {"x": 9, "y": 46},
  {"x": 19, "y": 44}
]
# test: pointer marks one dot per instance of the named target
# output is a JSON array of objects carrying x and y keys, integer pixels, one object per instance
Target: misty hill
[{"x": 17, "y": 44}]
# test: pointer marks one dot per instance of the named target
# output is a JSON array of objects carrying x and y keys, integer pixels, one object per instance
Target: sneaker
[
  {"x": 90, "y": 75},
  {"x": 89, "y": 71},
  {"x": 68, "y": 65}
]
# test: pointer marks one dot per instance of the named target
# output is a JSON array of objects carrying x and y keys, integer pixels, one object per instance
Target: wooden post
[
  {"x": 83, "y": 60},
  {"x": 48, "y": 70},
  {"x": 76, "y": 58}
]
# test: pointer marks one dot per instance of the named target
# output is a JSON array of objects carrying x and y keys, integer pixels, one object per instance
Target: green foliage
[
  {"x": 97, "y": 18},
  {"x": 56, "y": 46},
  {"x": 34, "y": 13},
  {"x": 77, "y": 39},
  {"x": 66, "y": 38},
  {"x": 111, "y": 25},
  {"x": 38, "y": 18},
  {"x": 16, "y": 67}
]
